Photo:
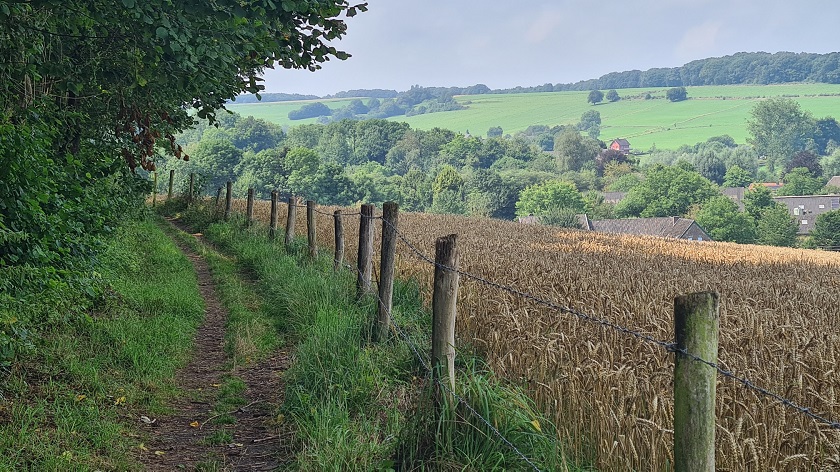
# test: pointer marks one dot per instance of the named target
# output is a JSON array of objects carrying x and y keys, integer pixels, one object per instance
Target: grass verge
[
  {"x": 68, "y": 405},
  {"x": 362, "y": 406}
]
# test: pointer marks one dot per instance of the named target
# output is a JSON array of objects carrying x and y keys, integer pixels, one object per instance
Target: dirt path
[{"x": 189, "y": 438}]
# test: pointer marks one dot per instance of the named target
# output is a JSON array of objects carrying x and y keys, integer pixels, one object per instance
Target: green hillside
[{"x": 710, "y": 111}]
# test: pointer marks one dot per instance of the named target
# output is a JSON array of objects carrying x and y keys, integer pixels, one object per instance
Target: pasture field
[
  {"x": 710, "y": 111},
  {"x": 611, "y": 394},
  {"x": 278, "y": 112}
]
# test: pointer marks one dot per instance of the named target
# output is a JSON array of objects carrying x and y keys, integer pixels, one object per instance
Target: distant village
[{"x": 805, "y": 209}]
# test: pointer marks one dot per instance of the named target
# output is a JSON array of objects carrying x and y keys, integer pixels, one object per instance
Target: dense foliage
[{"x": 92, "y": 93}]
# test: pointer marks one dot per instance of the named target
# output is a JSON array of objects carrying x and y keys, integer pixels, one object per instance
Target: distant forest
[{"x": 740, "y": 68}]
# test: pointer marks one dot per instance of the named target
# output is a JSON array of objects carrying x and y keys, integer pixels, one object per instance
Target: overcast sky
[{"x": 399, "y": 43}]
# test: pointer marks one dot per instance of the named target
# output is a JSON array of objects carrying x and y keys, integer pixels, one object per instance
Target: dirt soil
[{"x": 189, "y": 438}]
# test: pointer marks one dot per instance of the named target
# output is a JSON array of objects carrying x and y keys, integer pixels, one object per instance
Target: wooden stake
[
  {"x": 310, "y": 229},
  {"x": 390, "y": 213},
  {"x": 365, "y": 256},
  {"x": 696, "y": 323},
  {"x": 290, "y": 222},
  {"x": 338, "y": 258},
  {"x": 228, "y": 199},
  {"x": 444, "y": 307},
  {"x": 154, "y": 190},
  {"x": 191, "y": 189},
  {"x": 272, "y": 225},
  {"x": 249, "y": 208}
]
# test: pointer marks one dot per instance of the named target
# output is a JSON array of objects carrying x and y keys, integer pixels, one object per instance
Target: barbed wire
[
  {"x": 426, "y": 366},
  {"x": 669, "y": 346}
]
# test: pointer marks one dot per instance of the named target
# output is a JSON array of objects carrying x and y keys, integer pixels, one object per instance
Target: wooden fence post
[
  {"x": 218, "y": 198},
  {"x": 364, "y": 259},
  {"x": 191, "y": 188},
  {"x": 310, "y": 229},
  {"x": 338, "y": 258},
  {"x": 696, "y": 325},
  {"x": 290, "y": 222},
  {"x": 228, "y": 200},
  {"x": 272, "y": 224},
  {"x": 171, "y": 180},
  {"x": 390, "y": 213},
  {"x": 249, "y": 209},
  {"x": 444, "y": 307},
  {"x": 154, "y": 190}
]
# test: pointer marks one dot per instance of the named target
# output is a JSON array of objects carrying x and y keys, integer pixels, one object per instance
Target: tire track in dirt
[{"x": 188, "y": 438}]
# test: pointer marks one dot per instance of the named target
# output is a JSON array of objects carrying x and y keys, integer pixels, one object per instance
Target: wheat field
[{"x": 611, "y": 394}]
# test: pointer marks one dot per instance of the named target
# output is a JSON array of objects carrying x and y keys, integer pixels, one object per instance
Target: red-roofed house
[{"x": 621, "y": 145}]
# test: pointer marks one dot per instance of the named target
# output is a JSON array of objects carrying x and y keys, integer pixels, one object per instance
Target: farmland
[
  {"x": 610, "y": 393},
  {"x": 710, "y": 111}
]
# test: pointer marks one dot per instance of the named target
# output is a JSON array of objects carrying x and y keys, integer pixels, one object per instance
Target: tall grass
[
  {"x": 362, "y": 406},
  {"x": 66, "y": 407}
]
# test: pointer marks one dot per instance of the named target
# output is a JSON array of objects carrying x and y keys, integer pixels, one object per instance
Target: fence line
[{"x": 668, "y": 346}]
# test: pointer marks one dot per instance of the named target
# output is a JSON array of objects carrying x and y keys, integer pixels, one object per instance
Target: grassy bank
[
  {"x": 362, "y": 406},
  {"x": 70, "y": 402}
]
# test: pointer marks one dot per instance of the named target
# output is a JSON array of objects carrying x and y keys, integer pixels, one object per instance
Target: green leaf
[
  {"x": 128, "y": 3},
  {"x": 161, "y": 32}
]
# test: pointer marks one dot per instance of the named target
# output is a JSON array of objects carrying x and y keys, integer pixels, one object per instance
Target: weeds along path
[{"x": 226, "y": 416}]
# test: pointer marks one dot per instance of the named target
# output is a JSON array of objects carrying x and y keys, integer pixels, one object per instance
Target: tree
[
  {"x": 776, "y": 226},
  {"x": 612, "y": 96},
  {"x": 494, "y": 131},
  {"x": 800, "y": 182},
  {"x": 758, "y": 200},
  {"x": 720, "y": 217},
  {"x": 779, "y": 127},
  {"x": 595, "y": 97},
  {"x": 216, "y": 160},
  {"x": 588, "y": 119},
  {"x": 541, "y": 199},
  {"x": 826, "y": 232},
  {"x": 806, "y": 159},
  {"x": 666, "y": 191},
  {"x": 85, "y": 85},
  {"x": 610, "y": 157},
  {"x": 737, "y": 177},
  {"x": 310, "y": 110},
  {"x": 709, "y": 166},
  {"x": 676, "y": 94},
  {"x": 574, "y": 150}
]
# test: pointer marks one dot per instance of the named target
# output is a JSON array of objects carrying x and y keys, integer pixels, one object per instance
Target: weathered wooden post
[
  {"x": 365, "y": 255},
  {"x": 249, "y": 208},
  {"x": 444, "y": 308},
  {"x": 390, "y": 213},
  {"x": 272, "y": 223},
  {"x": 310, "y": 229},
  {"x": 290, "y": 222},
  {"x": 338, "y": 258},
  {"x": 228, "y": 200},
  {"x": 696, "y": 325},
  {"x": 171, "y": 181},
  {"x": 218, "y": 199},
  {"x": 191, "y": 188},
  {"x": 154, "y": 189}
]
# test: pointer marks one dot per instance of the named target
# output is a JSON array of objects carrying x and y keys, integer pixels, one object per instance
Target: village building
[
  {"x": 621, "y": 145},
  {"x": 806, "y": 208},
  {"x": 736, "y": 194},
  {"x": 664, "y": 227}
]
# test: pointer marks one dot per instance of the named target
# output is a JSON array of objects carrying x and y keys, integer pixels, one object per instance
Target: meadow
[
  {"x": 709, "y": 111},
  {"x": 610, "y": 394}
]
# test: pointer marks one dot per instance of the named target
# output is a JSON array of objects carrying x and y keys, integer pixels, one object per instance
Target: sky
[{"x": 400, "y": 43}]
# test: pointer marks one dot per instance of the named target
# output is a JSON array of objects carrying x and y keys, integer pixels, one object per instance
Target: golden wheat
[{"x": 611, "y": 394}]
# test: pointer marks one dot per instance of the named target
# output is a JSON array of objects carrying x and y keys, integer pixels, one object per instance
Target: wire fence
[{"x": 668, "y": 346}]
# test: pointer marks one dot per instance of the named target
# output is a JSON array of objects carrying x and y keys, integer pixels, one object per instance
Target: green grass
[
  {"x": 710, "y": 111},
  {"x": 70, "y": 405},
  {"x": 278, "y": 112},
  {"x": 362, "y": 406}
]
